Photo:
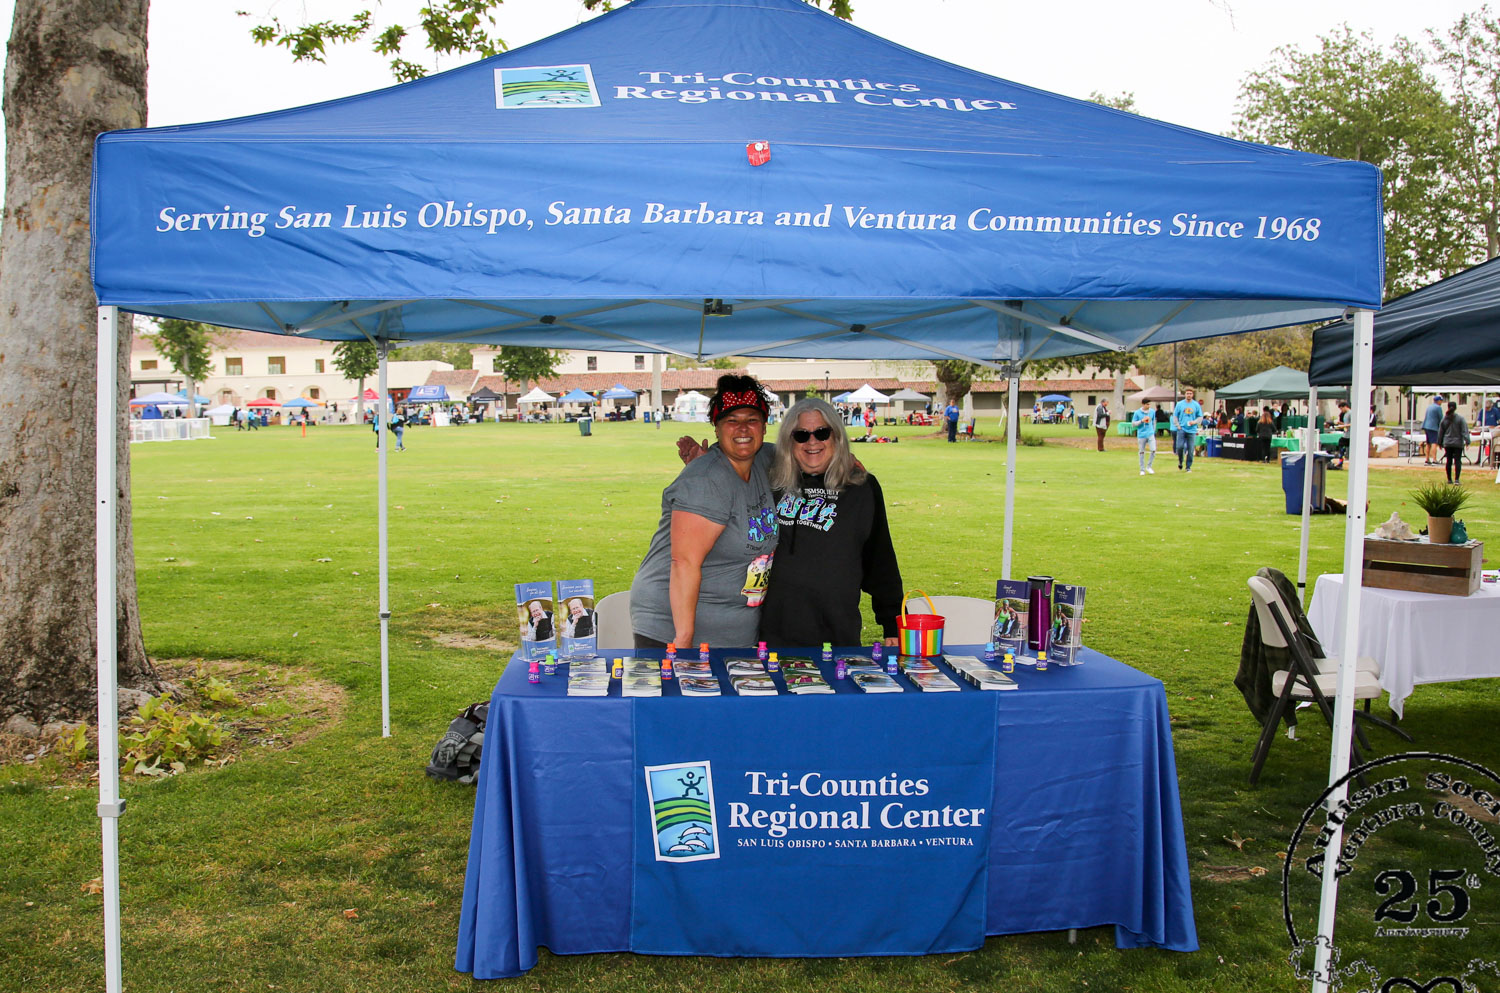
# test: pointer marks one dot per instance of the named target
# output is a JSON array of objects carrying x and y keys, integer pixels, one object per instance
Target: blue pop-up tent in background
[
  {"x": 427, "y": 394},
  {"x": 711, "y": 178}
]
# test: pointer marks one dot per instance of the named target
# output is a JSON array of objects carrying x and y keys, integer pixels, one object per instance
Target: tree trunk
[
  {"x": 956, "y": 378},
  {"x": 359, "y": 414},
  {"x": 75, "y": 68},
  {"x": 1117, "y": 402}
]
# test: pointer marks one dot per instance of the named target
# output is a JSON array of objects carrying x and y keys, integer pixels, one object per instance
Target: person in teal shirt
[
  {"x": 1144, "y": 422},
  {"x": 1186, "y": 417}
]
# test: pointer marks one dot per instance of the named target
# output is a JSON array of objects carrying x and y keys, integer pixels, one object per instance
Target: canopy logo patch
[
  {"x": 681, "y": 797},
  {"x": 545, "y": 86}
]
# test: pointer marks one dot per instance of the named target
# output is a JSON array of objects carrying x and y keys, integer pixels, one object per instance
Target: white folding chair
[
  {"x": 1304, "y": 680},
  {"x": 612, "y": 621},
  {"x": 966, "y": 619}
]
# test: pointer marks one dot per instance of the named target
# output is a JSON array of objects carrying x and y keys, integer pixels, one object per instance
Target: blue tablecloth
[{"x": 1077, "y": 821}]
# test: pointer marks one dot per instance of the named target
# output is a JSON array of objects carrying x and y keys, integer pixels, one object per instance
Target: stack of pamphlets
[
  {"x": 693, "y": 667},
  {"x": 745, "y": 667},
  {"x": 642, "y": 678},
  {"x": 980, "y": 674},
  {"x": 932, "y": 682},
  {"x": 873, "y": 679},
  {"x": 925, "y": 675},
  {"x": 749, "y": 678},
  {"x": 588, "y": 677},
  {"x": 761, "y": 685},
  {"x": 698, "y": 685},
  {"x": 803, "y": 676}
]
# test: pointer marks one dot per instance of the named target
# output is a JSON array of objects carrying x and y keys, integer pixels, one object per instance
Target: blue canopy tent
[
  {"x": 578, "y": 396},
  {"x": 299, "y": 402},
  {"x": 618, "y": 392},
  {"x": 427, "y": 394},
  {"x": 1056, "y": 398},
  {"x": 655, "y": 179},
  {"x": 159, "y": 399}
]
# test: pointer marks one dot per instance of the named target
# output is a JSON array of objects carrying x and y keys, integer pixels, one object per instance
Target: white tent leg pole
[
  {"x": 1309, "y": 459},
  {"x": 1012, "y": 405},
  {"x": 1354, "y": 552},
  {"x": 106, "y": 507},
  {"x": 383, "y": 445}
]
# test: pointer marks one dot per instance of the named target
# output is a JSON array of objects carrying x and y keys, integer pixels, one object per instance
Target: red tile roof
[{"x": 459, "y": 382}]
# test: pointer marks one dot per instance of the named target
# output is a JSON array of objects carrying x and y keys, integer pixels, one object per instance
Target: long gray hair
[{"x": 786, "y": 474}]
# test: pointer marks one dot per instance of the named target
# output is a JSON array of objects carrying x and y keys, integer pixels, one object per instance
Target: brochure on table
[{"x": 535, "y": 617}]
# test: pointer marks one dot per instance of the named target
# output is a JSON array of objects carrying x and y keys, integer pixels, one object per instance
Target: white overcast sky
[{"x": 1183, "y": 59}]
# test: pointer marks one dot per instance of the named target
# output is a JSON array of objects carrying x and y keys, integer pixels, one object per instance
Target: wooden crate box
[{"x": 1423, "y": 567}]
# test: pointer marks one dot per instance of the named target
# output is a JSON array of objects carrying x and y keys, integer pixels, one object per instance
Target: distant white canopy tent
[
  {"x": 537, "y": 395},
  {"x": 868, "y": 394},
  {"x": 690, "y": 406}
]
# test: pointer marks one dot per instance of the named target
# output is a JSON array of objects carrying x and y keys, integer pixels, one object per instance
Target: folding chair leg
[
  {"x": 1268, "y": 732},
  {"x": 1382, "y": 722}
]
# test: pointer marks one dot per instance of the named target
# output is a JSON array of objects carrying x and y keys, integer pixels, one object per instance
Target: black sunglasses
[{"x": 822, "y": 434}]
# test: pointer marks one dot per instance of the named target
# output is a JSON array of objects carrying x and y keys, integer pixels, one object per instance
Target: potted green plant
[{"x": 1441, "y": 501}]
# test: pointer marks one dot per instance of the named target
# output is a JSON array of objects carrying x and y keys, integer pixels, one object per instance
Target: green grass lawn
[{"x": 261, "y": 547}]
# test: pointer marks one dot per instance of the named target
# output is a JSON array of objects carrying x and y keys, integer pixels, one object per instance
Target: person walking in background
[
  {"x": 1453, "y": 436},
  {"x": 950, "y": 414},
  {"x": 1101, "y": 421},
  {"x": 1144, "y": 421},
  {"x": 1185, "y": 419},
  {"x": 1265, "y": 430},
  {"x": 1432, "y": 420}
]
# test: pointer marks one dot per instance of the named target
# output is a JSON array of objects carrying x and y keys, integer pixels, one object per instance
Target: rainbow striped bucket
[{"x": 920, "y": 634}]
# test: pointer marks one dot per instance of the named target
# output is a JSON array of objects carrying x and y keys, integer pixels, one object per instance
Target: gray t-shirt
[{"x": 736, "y": 567}]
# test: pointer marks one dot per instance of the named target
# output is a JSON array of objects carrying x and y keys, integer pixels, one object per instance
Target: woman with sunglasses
[
  {"x": 704, "y": 574},
  {"x": 834, "y": 539}
]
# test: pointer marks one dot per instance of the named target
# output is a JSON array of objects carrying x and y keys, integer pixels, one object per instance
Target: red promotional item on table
[{"x": 758, "y": 152}]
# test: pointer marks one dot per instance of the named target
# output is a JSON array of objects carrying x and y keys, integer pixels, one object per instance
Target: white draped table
[{"x": 1416, "y": 637}]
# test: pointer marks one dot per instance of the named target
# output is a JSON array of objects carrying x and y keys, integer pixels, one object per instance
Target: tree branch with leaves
[{"x": 444, "y": 27}]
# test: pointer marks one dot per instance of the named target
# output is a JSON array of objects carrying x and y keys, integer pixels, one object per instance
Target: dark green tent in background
[{"x": 1279, "y": 383}]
